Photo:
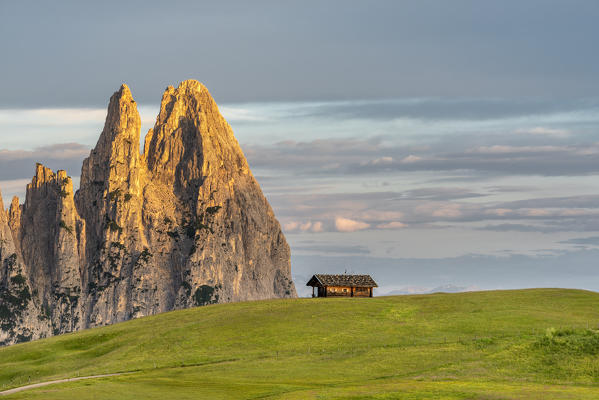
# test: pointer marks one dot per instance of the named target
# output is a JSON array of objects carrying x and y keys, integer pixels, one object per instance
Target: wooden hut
[{"x": 342, "y": 285}]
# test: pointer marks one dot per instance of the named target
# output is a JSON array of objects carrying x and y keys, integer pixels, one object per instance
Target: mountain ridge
[{"x": 182, "y": 224}]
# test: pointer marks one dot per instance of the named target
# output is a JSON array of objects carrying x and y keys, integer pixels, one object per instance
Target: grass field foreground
[{"x": 536, "y": 343}]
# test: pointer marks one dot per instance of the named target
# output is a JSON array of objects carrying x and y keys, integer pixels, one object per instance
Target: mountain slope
[
  {"x": 495, "y": 344},
  {"x": 183, "y": 224}
]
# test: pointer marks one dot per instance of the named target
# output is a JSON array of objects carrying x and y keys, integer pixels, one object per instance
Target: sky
[{"x": 435, "y": 145}]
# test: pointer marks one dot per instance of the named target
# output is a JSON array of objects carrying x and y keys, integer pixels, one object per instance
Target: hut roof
[{"x": 342, "y": 280}]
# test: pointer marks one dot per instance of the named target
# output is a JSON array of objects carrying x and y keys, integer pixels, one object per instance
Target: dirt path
[{"x": 36, "y": 385}]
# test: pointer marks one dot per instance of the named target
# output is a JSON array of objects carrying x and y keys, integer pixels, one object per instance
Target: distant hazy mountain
[{"x": 449, "y": 288}]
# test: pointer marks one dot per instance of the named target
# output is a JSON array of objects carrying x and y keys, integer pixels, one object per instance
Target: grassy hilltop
[{"x": 531, "y": 344}]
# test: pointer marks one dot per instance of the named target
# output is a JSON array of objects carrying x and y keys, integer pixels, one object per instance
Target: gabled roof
[{"x": 321, "y": 280}]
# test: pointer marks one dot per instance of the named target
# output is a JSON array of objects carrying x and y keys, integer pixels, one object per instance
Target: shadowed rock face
[{"x": 183, "y": 224}]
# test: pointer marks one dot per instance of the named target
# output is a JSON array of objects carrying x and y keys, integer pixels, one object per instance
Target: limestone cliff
[{"x": 181, "y": 225}]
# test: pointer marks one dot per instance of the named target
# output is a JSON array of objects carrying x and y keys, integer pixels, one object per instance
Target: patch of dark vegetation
[
  {"x": 483, "y": 342},
  {"x": 144, "y": 256},
  {"x": 5, "y": 313},
  {"x": 46, "y": 312},
  {"x": 21, "y": 338},
  {"x": 203, "y": 222},
  {"x": 63, "y": 193},
  {"x": 114, "y": 195},
  {"x": 206, "y": 294},
  {"x": 118, "y": 245},
  {"x": 193, "y": 226},
  {"x": 167, "y": 221},
  {"x": 13, "y": 301},
  {"x": 113, "y": 226},
  {"x": 173, "y": 234},
  {"x": 66, "y": 299},
  {"x": 18, "y": 280},
  {"x": 64, "y": 226},
  {"x": 185, "y": 285},
  {"x": 11, "y": 260},
  {"x": 213, "y": 210},
  {"x": 578, "y": 342},
  {"x": 127, "y": 197}
]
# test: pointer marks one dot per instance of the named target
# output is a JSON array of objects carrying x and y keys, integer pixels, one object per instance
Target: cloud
[
  {"x": 443, "y": 154},
  {"x": 392, "y": 225},
  {"x": 331, "y": 249},
  {"x": 382, "y": 161},
  {"x": 535, "y": 212},
  {"x": 410, "y": 159},
  {"x": 452, "y": 109},
  {"x": 448, "y": 211},
  {"x": 317, "y": 227},
  {"x": 500, "y": 212},
  {"x": 592, "y": 240},
  {"x": 235, "y": 114},
  {"x": 502, "y": 149},
  {"x": 542, "y": 131},
  {"x": 349, "y": 225},
  {"x": 291, "y": 226},
  {"x": 441, "y": 193},
  {"x": 511, "y": 227},
  {"x": 309, "y": 226},
  {"x": 11, "y": 188},
  {"x": 52, "y": 116}
]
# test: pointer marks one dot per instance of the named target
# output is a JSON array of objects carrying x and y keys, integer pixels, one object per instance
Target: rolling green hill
[{"x": 533, "y": 344}]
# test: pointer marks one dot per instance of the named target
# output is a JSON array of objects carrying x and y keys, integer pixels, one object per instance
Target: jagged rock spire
[{"x": 117, "y": 152}]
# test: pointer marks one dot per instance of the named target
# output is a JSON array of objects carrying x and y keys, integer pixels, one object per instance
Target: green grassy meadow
[{"x": 518, "y": 344}]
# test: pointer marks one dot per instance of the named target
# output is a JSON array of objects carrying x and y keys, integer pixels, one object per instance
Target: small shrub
[
  {"x": 114, "y": 195},
  {"x": 18, "y": 280},
  {"x": 205, "y": 295},
  {"x": 11, "y": 261},
  {"x": 64, "y": 226},
  {"x": 569, "y": 341},
  {"x": 145, "y": 256},
  {"x": 185, "y": 285},
  {"x": 117, "y": 245},
  {"x": 213, "y": 210}
]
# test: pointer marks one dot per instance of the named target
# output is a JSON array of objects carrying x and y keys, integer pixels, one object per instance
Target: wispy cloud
[
  {"x": 542, "y": 131},
  {"x": 392, "y": 225},
  {"x": 349, "y": 225}
]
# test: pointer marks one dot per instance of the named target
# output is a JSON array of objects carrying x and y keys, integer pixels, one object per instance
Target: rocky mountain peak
[
  {"x": 185, "y": 224},
  {"x": 117, "y": 150},
  {"x": 191, "y": 142}
]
